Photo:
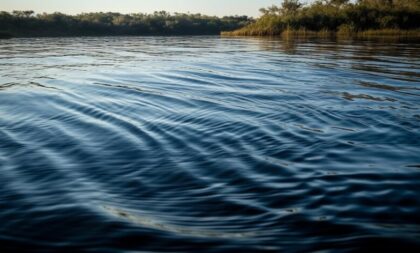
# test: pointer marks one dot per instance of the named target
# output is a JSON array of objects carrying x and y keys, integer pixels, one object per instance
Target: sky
[{"x": 209, "y": 7}]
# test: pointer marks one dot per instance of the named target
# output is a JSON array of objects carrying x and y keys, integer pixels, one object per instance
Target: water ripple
[{"x": 162, "y": 144}]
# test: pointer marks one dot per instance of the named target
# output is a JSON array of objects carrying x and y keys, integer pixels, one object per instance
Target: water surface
[{"x": 208, "y": 144}]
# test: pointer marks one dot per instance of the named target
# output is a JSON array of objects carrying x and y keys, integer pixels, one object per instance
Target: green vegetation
[
  {"x": 326, "y": 17},
  {"x": 27, "y": 24}
]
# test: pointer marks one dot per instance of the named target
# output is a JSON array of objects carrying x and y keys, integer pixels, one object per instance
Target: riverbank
[{"x": 363, "y": 18}]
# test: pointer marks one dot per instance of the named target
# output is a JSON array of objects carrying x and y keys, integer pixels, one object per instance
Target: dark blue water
[{"x": 208, "y": 144}]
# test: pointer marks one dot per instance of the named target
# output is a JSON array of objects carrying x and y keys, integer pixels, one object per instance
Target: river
[{"x": 209, "y": 144}]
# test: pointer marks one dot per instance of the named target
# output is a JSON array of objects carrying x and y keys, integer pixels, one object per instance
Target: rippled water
[{"x": 128, "y": 144}]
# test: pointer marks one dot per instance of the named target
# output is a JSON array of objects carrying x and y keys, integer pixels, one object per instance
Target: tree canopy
[
  {"x": 27, "y": 23},
  {"x": 336, "y": 16}
]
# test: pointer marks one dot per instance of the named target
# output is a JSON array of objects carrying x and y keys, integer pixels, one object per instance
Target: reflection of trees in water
[
  {"x": 367, "y": 56},
  {"x": 359, "y": 47},
  {"x": 293, "y": 44},
  {"x": 284, "y": 45}
]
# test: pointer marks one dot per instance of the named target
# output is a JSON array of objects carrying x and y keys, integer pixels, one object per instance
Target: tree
[
  {"x": 22, "y": 14},
  {"x": 290, "y": 6},
  {"x": 338, "y": 2},
  {"x": 24, "y": 23}
]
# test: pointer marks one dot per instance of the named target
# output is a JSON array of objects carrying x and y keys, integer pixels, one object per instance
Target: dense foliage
[
  {"x": 26, "y": 23},
  {"x": 336, "y": 16}
]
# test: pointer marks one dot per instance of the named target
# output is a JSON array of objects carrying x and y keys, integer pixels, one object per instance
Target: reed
[{"x": 415, "y": 33}]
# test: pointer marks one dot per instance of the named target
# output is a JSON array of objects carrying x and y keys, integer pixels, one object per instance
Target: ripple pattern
[{"x": 175, "y": 144}]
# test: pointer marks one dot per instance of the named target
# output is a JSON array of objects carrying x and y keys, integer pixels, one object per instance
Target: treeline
[
  {"x": 337, "y": 16},
  {"x": 27, "y": 24}
]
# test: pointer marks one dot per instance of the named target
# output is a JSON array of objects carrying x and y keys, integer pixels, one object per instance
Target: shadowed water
[{"x": 208, "y": 144}]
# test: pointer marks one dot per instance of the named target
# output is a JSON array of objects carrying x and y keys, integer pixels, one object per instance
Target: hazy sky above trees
[{"x": 209, "y": 7}]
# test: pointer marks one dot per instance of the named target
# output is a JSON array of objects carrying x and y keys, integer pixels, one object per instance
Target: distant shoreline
[
  {"x": 29, "y": 24},
  {"x": 108, "y": 35},
  {"x": 327, "y": 18},
  {"x": 409, "y": 34}
]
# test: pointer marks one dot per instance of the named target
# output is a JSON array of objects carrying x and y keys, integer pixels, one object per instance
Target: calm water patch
[{"x": 174, "y": 144}]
